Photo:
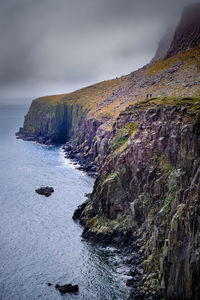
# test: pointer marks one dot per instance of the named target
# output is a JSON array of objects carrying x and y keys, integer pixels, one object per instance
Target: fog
[{"x": 51, "y": 47}]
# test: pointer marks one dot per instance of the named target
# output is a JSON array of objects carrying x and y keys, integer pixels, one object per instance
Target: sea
[{"x": 39, "y": 241}]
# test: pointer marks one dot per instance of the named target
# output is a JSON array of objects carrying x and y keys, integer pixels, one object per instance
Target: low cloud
[{"x": 56, "y": 46}]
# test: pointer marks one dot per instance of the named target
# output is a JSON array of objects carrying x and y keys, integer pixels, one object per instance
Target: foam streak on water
[{"x": 39, "y": 242}]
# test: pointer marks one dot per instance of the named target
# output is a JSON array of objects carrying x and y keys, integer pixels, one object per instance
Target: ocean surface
[{"x": 39, "y": 241}]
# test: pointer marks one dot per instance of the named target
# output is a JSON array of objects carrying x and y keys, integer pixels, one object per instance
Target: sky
[{"x": 57, "y": 46}]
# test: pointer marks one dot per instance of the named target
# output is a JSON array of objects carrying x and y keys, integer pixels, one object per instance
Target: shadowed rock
[
  {"x": 46, "y": 191},
  {"x": 67, "y": 288}
]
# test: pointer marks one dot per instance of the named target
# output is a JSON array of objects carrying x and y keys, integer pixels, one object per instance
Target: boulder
[
  {"x": 46, "y": 191},
  {"x": 67, "y": 288}
]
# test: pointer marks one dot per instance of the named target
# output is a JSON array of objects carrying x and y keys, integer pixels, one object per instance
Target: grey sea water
[{"x": 39, "y": 242}]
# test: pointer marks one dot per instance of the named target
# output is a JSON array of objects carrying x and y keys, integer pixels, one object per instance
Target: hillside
[{"x": 87, "y": 115}]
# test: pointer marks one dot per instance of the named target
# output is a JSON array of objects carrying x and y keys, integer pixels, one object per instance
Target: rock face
[
  {"x": 46, "y": 191},
  {"x": 187, "y": 34},
  {"x": 163, "y": 46},
  {"x": 149, "y": 183}
]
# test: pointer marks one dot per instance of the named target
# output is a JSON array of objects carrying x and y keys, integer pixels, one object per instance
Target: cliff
[
  {"x": 163, "y": 46},
  {"x": 149, "y": 183},
  {"x": 86, "y": 116},
  {"x": 187, "y": 34},
  {"x": 147, "y": 188}
]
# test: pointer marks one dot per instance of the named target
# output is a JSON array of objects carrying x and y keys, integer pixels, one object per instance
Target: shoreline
[
  {"x": 70, "y": 151},
  {"x": 124, "y": 242}
]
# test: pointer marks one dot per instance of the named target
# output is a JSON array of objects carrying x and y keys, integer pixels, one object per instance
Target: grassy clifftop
[
  {"x": 175, "y": 76},
  {"x": 86, "y": 116}
]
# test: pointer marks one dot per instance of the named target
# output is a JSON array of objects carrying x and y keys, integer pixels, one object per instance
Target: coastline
[
  {"x": 126, "y": 244},
  {"x": 124, "y": 241},
  {"x": 70, "y": 151}
]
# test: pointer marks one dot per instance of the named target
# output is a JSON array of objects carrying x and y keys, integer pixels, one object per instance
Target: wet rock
[
  {"x": 46, "y": 191},
  {"x": 67, "y": 288},
  {"x": 87, "y": 195}
]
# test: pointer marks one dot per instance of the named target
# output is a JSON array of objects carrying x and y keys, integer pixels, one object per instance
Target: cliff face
[
  {"x": 149, "y": 182},
  {"x": 149, "y": 154},
  {"x": 163, "y": 46},
  {"x": 50, "y": 123},
  {"x": 86, "y": 116},
  {"x": 187, "y": 34}
]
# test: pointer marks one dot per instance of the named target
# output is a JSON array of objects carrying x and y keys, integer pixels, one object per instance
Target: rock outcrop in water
[
  {"x": 67, "y": 288},
  {"x": 46, "y": 191},
  {"x": 147, "y": 193}
]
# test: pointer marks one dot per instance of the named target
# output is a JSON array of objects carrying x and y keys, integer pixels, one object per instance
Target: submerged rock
[
  {"x": 46, "y": 191},
  {"x": 67, "y": 288}
]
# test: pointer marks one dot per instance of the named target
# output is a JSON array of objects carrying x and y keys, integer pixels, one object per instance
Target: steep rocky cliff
[
  {"x": 148, "y": 186},
  {"x": 163, "y": 45},
  {"x": 86, "y": 116},
  {"x": 150, "y": 183},
  {"x": 187, "y": 34}
]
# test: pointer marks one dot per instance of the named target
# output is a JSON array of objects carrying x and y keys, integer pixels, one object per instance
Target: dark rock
[
  {"x": 133, "y": 272},
  {"x": 187, "y": 33},
  {"x": 46, "y": 191},
  {"x": 67, "y": 288},
  {"x": 49, "y": 283},
  {"x": 78, "y": 211},
  {"x": 87, "y": 195}
]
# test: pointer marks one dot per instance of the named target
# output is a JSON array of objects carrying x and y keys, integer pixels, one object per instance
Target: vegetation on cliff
[{"x": 154, "y": 182}]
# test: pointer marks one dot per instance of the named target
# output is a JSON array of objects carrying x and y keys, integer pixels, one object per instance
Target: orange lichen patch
[{"x": 190, "y": 57}]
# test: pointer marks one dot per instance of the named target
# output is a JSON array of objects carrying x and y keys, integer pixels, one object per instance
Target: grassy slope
[{"x": 105, "y": 100}]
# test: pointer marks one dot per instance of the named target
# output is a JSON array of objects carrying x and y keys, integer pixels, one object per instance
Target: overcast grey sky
[{"x": 56, "y": 46}]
